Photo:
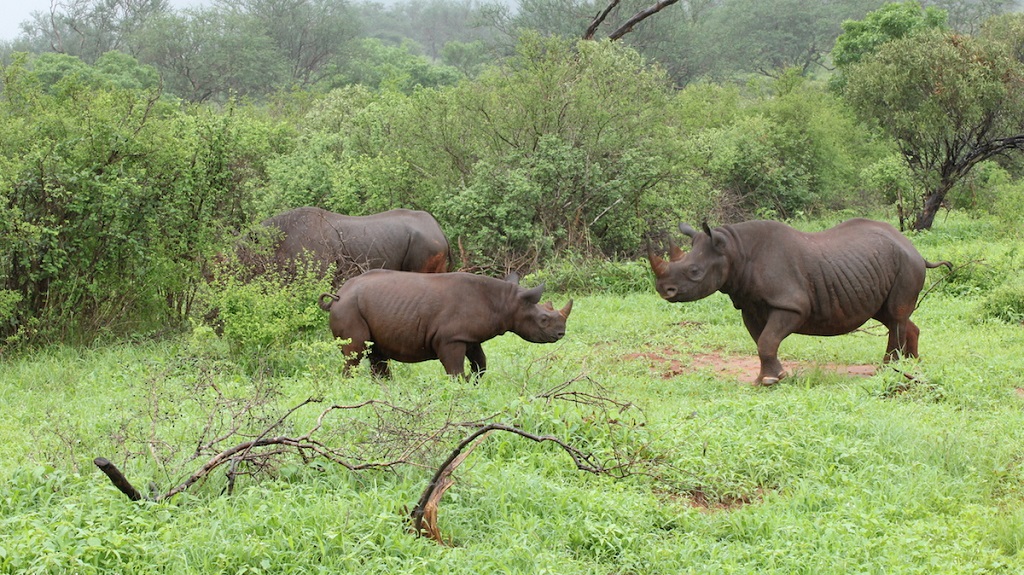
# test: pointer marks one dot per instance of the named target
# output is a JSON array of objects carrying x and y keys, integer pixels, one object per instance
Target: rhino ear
[
  {"x": 717, "y": 239},
  {"x": 687, "y": 230},
  {"x": 512, "y": 278},
  {"x": 532, "y": 295}
]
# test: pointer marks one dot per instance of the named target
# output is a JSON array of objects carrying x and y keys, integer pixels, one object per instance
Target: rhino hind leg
[
  {"x": 903, "y": 338},
  {"x": 379, "y": 366}
]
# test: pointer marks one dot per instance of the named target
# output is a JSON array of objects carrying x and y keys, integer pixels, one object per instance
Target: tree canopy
[{"x": 948, "y": 100}]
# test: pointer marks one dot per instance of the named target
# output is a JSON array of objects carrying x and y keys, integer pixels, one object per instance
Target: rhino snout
[{"x": 669, "y": 292}]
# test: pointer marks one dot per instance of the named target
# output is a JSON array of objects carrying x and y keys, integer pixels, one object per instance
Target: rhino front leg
[
  {"x": 453, "y": 358},
  {"x": 779, "y": 325},
  {"x": 477, "y": 359},
  {"x": 379, "y": 366}
]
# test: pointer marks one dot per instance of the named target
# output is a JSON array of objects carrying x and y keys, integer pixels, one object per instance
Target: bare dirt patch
[{"x": 744, "y": 368}]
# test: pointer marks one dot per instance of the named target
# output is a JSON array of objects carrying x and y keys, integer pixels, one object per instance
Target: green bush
[
  {"x": 259, "y": 319},
  {"x": 1005, "y": 302},
  {"x": 110, "y": 199},
  {"x": 572, "y": 273}
]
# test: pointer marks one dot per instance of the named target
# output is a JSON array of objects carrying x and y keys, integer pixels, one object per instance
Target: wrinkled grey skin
[
  {"x": 348, "y": 245},
  {"x": 412, "y": 317},
  {"x": 785, "y": 281}
]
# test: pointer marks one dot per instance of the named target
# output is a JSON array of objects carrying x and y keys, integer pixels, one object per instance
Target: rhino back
[{"x": 397, "y": 239}]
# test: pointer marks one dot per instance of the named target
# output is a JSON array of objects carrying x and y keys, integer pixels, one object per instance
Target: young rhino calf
[{"x": 412, "y": 317}]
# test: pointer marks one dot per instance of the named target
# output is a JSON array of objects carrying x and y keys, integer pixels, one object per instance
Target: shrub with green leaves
[
  {"x": 572, "y": 273},
  {"x": 111, "y": 198},
  {"x": 1006, "y": 302},
  {"x": 260, "y": 318}
]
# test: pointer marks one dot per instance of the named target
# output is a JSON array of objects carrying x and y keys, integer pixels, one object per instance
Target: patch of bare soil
[{"x": 744, "y": 368}]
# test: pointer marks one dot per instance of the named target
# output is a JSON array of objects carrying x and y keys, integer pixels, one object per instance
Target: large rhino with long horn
[
  {"x": 786, "y": 281},
  {"x": 411, "y": 317}
]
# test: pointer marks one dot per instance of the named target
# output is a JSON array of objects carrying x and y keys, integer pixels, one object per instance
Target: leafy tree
[
  {"x": 377, "y": 65},
  {"x": 768, "y": 37},
  {"x": 794, "y": 150},
  {"x": 311, "y": 36},
  {"x": 968, "y": 16},
  {"x": 560, "y": 146},
  {"x": 113, "y": 69},
  {"x": 90, "y": 28},
  {"x": 213, "y": 54},
  {"x": 108, "y": 200},
  {"x": 862, "y": 38},
  {"x": 949, "y": 101}
]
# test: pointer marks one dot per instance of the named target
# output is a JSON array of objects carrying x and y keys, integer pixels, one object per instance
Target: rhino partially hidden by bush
[
  {"x": 345, "y": 246},
  {"x": 411, "y": 317}
]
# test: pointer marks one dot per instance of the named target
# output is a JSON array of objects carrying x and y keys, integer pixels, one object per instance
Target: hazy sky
[{"x": 14, "y": 12}]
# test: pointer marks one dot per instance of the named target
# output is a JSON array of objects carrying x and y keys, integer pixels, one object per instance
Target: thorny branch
[{"x": 259, "y": 452}]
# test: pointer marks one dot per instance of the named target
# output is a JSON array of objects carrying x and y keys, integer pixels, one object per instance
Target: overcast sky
[{"x": 14, "y": 12}]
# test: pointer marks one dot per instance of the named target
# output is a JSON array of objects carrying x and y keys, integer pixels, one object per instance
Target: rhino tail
[
  {"x": 931, "y": 265},
  {"x": 326, "y": 300}
]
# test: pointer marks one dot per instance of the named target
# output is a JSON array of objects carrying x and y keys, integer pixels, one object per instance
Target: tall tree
[
  {"x": 770, "y": 36},
  {"x": 90, "y": 28},
  {"x": 949, "y": 101},
  {"x": 309, "y": 34},
  {"x": 212, "y": 54}
]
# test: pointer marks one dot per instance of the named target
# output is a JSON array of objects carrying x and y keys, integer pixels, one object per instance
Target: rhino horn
[
  {"x": 659, "y": 265},
  {"x": 549, "y": 306},
  {"x": 564, "y": 312},
  {"x": 674, "y": 253}
]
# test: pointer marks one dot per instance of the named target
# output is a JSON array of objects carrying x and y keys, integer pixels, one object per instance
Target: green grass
[{"x": 822, "y": 473}]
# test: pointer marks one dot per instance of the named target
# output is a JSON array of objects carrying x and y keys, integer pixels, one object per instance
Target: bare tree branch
[{"x": 640, "y": 17}]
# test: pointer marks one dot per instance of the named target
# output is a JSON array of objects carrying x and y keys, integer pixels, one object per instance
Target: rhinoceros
[
  {"x": 411, "y": 317},
  {"x": 786, "y": 281},
  {"x": 400, "y": 239}
]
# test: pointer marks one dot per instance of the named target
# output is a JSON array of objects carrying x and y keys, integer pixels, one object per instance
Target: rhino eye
[
  {"x": 694, "y": 272},
  {"x": 544, "y": 321}
]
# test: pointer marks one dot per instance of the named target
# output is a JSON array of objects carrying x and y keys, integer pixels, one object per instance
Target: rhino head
[
  {"x": 695, "y": 275},
  {"x": 536, "y": 322}
]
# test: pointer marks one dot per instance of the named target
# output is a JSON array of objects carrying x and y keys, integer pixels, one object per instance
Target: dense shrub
[
  {"x": 110, "y": 198},
  {"x": 572, "y": 273},
  {"x": 1006, "y": 302}
]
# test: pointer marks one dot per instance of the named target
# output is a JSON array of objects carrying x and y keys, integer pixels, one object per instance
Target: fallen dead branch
[
  {"x": 424, "y": 515},
  {"x": 391, "y": 436}
]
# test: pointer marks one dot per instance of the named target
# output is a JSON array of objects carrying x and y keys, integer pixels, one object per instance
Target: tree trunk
[{"x": 932, "y": 202}]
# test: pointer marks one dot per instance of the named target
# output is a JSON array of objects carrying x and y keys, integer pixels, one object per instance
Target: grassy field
[{"x": 823, "y": 473}]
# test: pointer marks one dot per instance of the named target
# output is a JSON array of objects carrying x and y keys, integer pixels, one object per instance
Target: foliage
[
  {"x": 553, "y": 148},
  {"x": 378, "y": 65},
  {"x": 259, "y": 317},
  {"x": 111, "y": 198},
  {"x": 1006, "y": 302},
  {"x": 862, "y": 38},
  {"x": 790, "y": 152},
  {"x": 769, "y": 37},
  {"x": 576, "y": 274},
  {"x": 949, "y": 101}
]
